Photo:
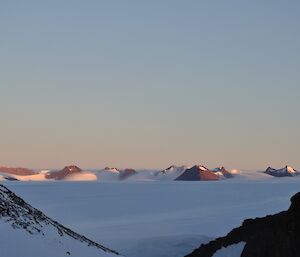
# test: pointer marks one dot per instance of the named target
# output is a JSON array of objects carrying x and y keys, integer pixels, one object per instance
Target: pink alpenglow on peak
[
  {"x": 65, "y": 172},
  {"x": 198, "y": 173}
]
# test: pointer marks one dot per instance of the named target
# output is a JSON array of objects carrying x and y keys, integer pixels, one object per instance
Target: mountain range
[{"x": 178, "y": 173}]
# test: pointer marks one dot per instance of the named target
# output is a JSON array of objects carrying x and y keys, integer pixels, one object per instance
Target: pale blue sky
[{"x": 149, "y": 83}]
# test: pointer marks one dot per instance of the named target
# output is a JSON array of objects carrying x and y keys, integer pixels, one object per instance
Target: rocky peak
[{"x": 65, "y": 172}]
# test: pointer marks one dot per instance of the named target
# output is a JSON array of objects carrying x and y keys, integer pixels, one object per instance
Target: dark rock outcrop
[
  {"x": 65, "y": 172},
  {"x": 197, "y": 173},
  {"x": 11, "y": 179},
  {"x": 273, "y": 236}
]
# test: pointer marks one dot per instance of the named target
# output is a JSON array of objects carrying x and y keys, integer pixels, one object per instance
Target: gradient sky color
[{"x": 149, "y": 83}]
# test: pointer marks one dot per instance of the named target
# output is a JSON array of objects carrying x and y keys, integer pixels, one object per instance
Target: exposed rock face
[
  {"x": 273, "y": 236},
  {"x": 124, "y": 174},
  {"x": 65, "y": 172},
  {"x": 197, "y": 173},
  {"x": 17, "y": 171},
  {"x": 287, "y": 171},
  {"x": 20, "y": 215}
]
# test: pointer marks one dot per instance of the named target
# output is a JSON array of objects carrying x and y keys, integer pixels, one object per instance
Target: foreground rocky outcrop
[
  {"x": 28, "y": 231},
  {"x": 273, "y": 236}
]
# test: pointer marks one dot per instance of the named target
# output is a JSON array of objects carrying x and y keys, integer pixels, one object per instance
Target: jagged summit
[
  {"x": 16, "y": 216},
  {"x": 287, "y": 171}
]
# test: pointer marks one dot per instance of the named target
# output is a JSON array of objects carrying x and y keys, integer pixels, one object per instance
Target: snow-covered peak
[{"x": 290, "y": 169}]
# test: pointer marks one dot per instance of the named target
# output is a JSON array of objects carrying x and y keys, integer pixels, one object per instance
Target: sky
[{"x": 147, "y": 84}]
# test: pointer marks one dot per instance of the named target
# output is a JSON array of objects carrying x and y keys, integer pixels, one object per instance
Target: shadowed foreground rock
[{"x": 273, "y": 236}]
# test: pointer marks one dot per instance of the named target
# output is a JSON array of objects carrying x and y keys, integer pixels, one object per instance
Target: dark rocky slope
[
  {"x": 273, "y": 236},
  {"x": 20, "y": 215}
]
